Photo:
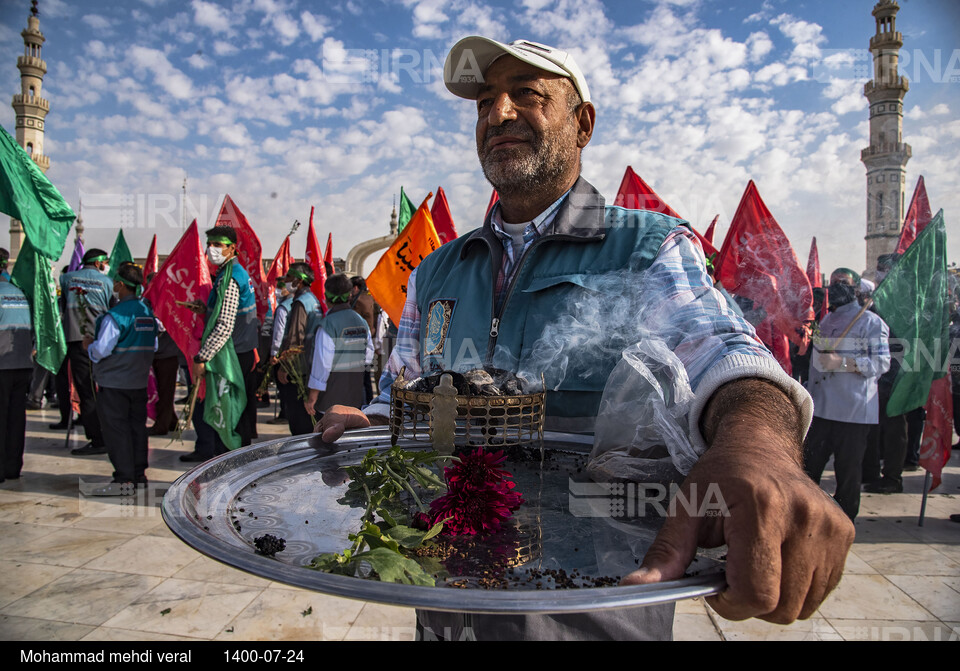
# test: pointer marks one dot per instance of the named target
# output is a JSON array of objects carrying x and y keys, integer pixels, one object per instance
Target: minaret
[
  {"x": 30, "y": 107},
  {"x": 886, "y": 157}
]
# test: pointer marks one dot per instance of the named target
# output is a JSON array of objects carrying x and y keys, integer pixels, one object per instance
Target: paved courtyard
[{"x": 95, "y": 569}]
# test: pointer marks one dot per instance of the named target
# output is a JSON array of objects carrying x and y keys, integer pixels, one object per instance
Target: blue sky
[{"x": 285, "y": 104}]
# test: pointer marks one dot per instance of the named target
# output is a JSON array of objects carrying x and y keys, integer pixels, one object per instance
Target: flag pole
[
  {"x": 866, "y": 306},
  {"x": 923, "y": 503}
]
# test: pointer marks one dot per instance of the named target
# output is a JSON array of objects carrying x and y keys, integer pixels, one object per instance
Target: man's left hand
[
  {"x": 787, "y": 539},
  {"x": 199, "y": 369},
  {"x": 87, "y": 341}
]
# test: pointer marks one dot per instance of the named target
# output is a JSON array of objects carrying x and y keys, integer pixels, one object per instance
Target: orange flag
[{"x": 388, "y": 281}]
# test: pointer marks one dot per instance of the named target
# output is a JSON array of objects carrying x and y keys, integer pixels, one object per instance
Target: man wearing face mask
[
  {"x": 89, "y": 294},
  {"x": 122, "y": 355},
  {"x": 300, "y": 329},
  {"x": 236, "y": 321},
  {"x": 843, "y": 383}
]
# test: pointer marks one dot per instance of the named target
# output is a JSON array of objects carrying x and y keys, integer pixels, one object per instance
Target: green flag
[
  {"x": 226, "y": 396},
  {"x": 912, "y": 301},
  {"x": 26, "y": 194},
  {"x": 120, "y": 254},
  {"x": 32, "y": 275},
  {"x": 407, "y": 209}
]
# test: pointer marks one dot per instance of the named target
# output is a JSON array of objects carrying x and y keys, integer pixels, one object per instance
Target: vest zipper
[{"x": 497, "y": 315}]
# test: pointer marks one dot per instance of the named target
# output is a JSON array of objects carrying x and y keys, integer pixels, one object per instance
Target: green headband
[
  {"x": 223, "y": 240},
  {"x": 298, "y": 274},
  {"x": 338, "y": 298},
  {"x": 847, "y": 271},
  {"x": 102, "y": 257},
  {"x": 132, "y": 285}
]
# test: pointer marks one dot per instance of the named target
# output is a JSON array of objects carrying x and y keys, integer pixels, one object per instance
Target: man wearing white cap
[{"x": 550, "y": 241}]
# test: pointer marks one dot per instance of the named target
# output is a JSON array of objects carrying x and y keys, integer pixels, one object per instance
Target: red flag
[
  {"x": 328, "y": 254},
  {"x": 917, "y": 217},
  {"x": 757, "y": 262},
  {"x": 937, "y": 429},
  {"x": 315, "y": 261},
  {"x": 708, "y": 236},
  {"x": 494, "y": 197},
  {"x": 182, "y": 277},
  {"x": 442, "y": 219},
  {"x": 249, "y": 253},
  {"x": 635, "y": 194},
  {"x": 281, "y": 263},
  {"x": 709, "y": 250},
  {"x": 813, "y": 266},
  {"x": 779, "y": 346},
  {"x": 152, "y": 262}
]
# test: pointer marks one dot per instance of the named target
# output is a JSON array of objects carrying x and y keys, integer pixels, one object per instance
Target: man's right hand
[{"x": 338, "y": 419}]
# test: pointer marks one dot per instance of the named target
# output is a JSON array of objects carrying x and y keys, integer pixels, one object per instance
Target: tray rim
[{"x": 297, "y": 449}]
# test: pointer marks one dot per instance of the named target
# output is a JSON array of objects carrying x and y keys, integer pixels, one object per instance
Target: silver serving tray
[{"x": 289, "y": 488}]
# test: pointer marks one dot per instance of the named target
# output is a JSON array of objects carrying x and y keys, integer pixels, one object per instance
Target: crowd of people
[
  {"x": 114, "y": 342},
  {"x": 541, "y": 249}
]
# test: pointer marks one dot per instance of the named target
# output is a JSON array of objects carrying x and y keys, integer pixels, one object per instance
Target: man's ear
[{"x": 586, "y": 115}]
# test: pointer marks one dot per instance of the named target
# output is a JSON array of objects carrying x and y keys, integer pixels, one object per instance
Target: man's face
[
  {"x": 228, "y": 251},
  {"x": 527, "y": 134}
]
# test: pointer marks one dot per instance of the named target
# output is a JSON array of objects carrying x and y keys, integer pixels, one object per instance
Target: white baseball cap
[{"x": 469, "y": 59}]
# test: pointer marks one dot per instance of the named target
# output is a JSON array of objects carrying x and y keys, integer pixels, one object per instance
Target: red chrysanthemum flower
[{"x": 479, "y": 495}]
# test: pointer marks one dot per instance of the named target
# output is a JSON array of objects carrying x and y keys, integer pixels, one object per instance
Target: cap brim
[{"x": 469, "y": 59}]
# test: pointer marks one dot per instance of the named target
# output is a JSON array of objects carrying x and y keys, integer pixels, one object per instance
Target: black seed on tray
[
  {"x": 269, "y": 545},
  {"x": 209, "y": 517}
]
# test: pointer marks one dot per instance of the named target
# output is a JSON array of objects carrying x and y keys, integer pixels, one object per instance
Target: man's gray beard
[{"x": 531, "y": 173}]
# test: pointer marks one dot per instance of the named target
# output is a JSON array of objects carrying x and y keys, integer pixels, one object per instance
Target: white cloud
[
  {"x": 199, "y": 61},
  {"x": 97, "y": 22},
  {"x": 169, "y": 78},
  {"x": 221, "y": 48},
  {"x": 806, "y": 37},
  {"x": 315, "y": 25},
  {"x": 759, "y": 45},
  {"x": 286, "y": 28},
  {"x": 211, "y": 16}
]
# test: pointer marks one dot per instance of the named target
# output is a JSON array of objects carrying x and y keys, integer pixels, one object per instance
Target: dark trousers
[
  {"x": 846, "y": 442},
  {"x": 123, "y": 415},
  {"x": 208, "y": 442},
  {"x": 64, "y": 401},
  {"x": 887, "y": 441},
  {"x": 915, "y": 421},
  {"x": 248, "y": 364},
  {"x": 165, "y": 371},
  {"x": 299, "y": 421},
  {"x": 14, "y": 386},
  {"x": 82, "y": 372},
  {"x": 41, "y": 384}
]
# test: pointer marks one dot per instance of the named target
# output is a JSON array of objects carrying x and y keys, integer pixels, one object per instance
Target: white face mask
[
  {"x": 215, "y": 254},
  {"x": 106, "y": 269}
]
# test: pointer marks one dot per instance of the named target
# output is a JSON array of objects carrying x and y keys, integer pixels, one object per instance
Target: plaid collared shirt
[{"x": 692, "y": 317}]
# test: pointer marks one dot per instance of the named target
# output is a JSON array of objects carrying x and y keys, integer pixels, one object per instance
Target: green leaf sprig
[{"x": 380, "y": 483}]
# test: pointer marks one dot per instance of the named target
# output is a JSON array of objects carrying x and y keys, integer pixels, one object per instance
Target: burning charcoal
[{"x": 511, "y": 387}]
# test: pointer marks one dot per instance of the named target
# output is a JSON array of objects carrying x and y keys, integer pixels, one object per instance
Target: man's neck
[{"x": 521, "y": 207}]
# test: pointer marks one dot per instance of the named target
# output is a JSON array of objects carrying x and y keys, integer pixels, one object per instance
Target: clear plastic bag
[{"x": 642, "y": 426}]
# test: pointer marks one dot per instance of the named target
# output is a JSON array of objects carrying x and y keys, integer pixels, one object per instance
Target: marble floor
[{"x": 80, "y": 568}]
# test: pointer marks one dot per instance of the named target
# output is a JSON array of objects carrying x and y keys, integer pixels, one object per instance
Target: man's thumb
[{"x": 669, "y": 555}]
